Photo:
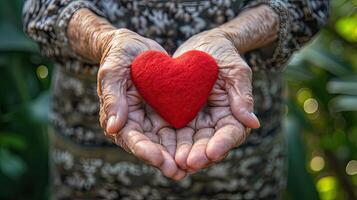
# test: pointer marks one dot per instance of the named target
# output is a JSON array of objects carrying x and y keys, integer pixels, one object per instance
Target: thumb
[
  {"x": 112, "y": 86},
  {"x": 240, "y": 95}
]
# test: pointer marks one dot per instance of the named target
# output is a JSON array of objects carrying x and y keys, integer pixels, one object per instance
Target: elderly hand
[
  {"x": 221, "y": 125},
  {"x": 127, "y": 120}
]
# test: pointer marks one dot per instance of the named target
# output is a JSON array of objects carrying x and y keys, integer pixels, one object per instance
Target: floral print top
[{"x": 256, "y": 169}]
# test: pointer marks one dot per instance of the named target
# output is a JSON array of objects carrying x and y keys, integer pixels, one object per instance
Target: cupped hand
[
  {"x": 127, "y": 120},
  {"x": 225, "y": 121}
]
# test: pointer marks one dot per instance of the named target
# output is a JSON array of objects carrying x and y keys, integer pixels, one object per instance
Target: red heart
[{"x": 176, "y": 88}]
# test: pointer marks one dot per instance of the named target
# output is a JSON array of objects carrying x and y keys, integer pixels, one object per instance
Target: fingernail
[
  {"x": 111, "y": 124},
  {"x": 255, "y": 118}
]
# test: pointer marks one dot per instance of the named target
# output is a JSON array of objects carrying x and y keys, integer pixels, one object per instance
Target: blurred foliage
[
  {"x": 24, "y": 103},
  {"x": 321, "y": 105}
]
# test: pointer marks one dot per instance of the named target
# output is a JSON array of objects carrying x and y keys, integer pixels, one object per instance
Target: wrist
[
  {"x": 253, "y": 28},
  {"x": 104, "y": 42},
  {"x": 87, "y": 34}
]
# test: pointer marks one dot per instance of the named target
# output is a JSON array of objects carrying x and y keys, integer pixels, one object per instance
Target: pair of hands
[{"x": 221, "y": 125}]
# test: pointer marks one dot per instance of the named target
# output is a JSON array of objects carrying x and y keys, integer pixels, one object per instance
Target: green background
[{"x": 320, "y": 113}]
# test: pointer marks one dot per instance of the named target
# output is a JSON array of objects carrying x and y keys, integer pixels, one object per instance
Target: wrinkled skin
[
  {"x": 127, "y": 120},
  {"x": 220, "y": 125},
  {"x": 134, "y": 126}
]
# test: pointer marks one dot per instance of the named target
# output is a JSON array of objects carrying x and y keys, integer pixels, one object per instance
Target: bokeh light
[
  {"x": 351, "y": 167},
  {"x": 317, "y": 163},
  {"x": 42, "y": 72},
  {"x": 347, "y": 27},
  {"x": 311, "y": 105},
  {"x": 303, "y": 94},
  {"x": 327, "y": 188}
]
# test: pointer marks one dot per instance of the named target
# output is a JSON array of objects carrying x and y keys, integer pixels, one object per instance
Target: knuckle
[
  {"x": 108, "y": 73},
  {"x": 108, "y": 102},
  {"x": 103, "y": 70},
  {"x": 102, "y": 118},
  {"x": 243, "y": 136},
  {"x": 120, "y": 142},
  {"x": 125, "y": 46},
  {"x": 244, "y": 69},
  {"x": 248, "y": 98},
  {"x": 247, "y": 131},
  {"x": 216, "y": 157},
  {"x": 122, "y": 32},
  {"x": 155, "y": 45},
  {"x": 118, "y": 65}
]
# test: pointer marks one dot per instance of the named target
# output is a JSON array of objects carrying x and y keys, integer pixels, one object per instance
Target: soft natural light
[
  {"x": 351, "y": 167},
  {"x": 311, "y": 105},
  {"x": 303, "y": 94},
  {"x": 42, "y": 71},
  {"x": 317, "y": 163},
  {"x": 327, "y": 187}
]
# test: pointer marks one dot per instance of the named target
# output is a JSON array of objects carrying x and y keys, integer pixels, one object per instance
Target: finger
[
  {"x": 112, "y": 94},
  {"x": 168, "y": 140},
  {"x": 168, "y": 167},
  {"x": 197, "y": 158},
  {"x": 179, "y": 175},
  {"x": 140, "y": 145},
  {"x": 216, "y": 161},
  {"x": 184, "y": 144},
  {"x": 240, "y": 95},
  {"x": 226, "y": 138},
  {"x": 221, "y": 158}
]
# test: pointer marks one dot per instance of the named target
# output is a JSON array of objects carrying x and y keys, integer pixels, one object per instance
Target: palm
[
  {"x": 148, "y": 136},
  {"x": 216, "y": 129},
  {"x": 126, "y": 118}
]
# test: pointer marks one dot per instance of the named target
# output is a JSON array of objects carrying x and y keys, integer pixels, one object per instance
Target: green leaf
[
  {"x": 347, "y": 27},
  {"x": 343, "y": 103},
  {"x": 12, "y": 140},
  {"x": 326, "y": 61},
  {"x": 343, "y": 86},
  {"x": 300, "y": 184},
  {"x": 296, "y": 70}
]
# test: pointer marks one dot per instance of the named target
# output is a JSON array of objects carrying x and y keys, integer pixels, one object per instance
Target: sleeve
[
  {"x": 46, "y": 23},
  {"x": 299, "y": 22}
]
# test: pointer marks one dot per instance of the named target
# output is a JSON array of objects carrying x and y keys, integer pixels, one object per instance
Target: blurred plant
[
  {"x": 322, "y": 100},
  {"x": 24, "y": 103}
]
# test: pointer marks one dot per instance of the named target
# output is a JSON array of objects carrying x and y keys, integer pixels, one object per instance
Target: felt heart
[{"x": 176, "y": 88}]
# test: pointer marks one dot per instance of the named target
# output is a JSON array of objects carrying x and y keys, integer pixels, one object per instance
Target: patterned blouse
[{"x": 85, "y": 165}]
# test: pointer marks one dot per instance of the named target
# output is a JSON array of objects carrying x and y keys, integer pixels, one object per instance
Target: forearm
[
  {"x": 253, "y": 28},
  {"x": 89, "y": 35}
]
